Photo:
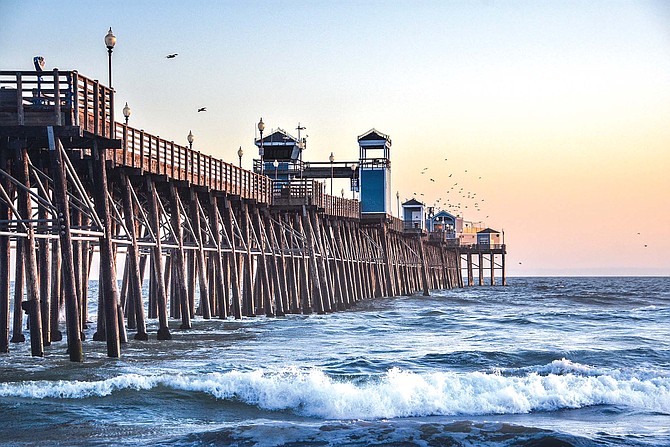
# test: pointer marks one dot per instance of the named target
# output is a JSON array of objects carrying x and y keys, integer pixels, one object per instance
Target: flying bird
[
  {"x": 171, "y": 56},
  {"x": 202, "y": 109},
  {"x": 432, "y": 180}
]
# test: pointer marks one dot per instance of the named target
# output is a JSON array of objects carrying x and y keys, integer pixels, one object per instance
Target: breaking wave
[{"x": 396, "y": 393}]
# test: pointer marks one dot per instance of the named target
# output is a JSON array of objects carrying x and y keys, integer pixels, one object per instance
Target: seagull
[
  {"x": 202, "y": 109},
  {"x": 171, "y": 56},
  {"x": 450, "y": 175},
  {"x": 432, "y": 180}
]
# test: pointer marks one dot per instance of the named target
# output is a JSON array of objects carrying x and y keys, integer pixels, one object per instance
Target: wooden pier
[{"x": 219, "y": 241}]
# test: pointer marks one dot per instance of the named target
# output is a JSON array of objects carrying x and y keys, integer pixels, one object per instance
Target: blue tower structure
[{"x": 375, "y": 172}]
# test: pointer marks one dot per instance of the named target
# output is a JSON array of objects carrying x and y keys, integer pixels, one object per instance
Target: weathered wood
[
  {"x": 317, "y": 293},
  {"x": 304, "y": 264},
  {"x": 262, "y": 262},
  {"x": 220, "y": 282},
  {"x": 5, "y": 253},
  {"x": 56, "y": 287},
  {"x": 17, "y": 326},
  {"x": 276, "y": 257},
  {"x": 133, "y": 262},
  {"x": 234, "y": 261},
  {"x": 32, "y": 304},
  {"x": 157, "y": 262},
  {"x": 44, "y": 266},
  {"x": 199, "y": 255},
  {"x": 248, "y": 303},
  {"x": 107, "y": 270},
  {"x": 471, "y": 280},
  {"x": 179, "y": 279},
  {"x": 61, "y": 203}
]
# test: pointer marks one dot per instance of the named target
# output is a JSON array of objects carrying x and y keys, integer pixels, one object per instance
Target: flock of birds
[
  {"x": 172, "y": 56},
  {"x": 456, "y": 198}
]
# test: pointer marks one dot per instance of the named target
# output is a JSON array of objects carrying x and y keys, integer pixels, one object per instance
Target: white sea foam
[{"x": 396, "y": 394}]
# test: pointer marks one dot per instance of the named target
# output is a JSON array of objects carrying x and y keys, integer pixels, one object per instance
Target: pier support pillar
[
  {"x": 32, "y": 304},
  {"x": 424, "y": 272},
  {"x": 107, "y": 270},
  {"x": 61, "y": 202}
]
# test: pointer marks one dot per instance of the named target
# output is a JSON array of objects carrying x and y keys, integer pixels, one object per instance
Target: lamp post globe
[
  {"x": 353, "y": 180},
  {"x": 127, "y": 112},
  {"x": 190, "y": 139},
  {"x": 240, "y": 152},
  {"x": 261, "y": 151},
  {"x": 110, "y": 41},
  {"x": 276, "y": 165}
]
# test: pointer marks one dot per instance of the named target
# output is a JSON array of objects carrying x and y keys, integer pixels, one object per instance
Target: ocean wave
[{"x": 397, "y": 393}]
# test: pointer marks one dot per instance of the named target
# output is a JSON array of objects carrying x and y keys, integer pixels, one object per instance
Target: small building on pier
[
  {"x": 488, "y": 238},
  {"x": 413, "y": 215},
  {"x": 375, "y": 172}
]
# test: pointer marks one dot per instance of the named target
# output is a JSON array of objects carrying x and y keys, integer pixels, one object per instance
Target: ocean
[{"x": 541, "y": 362}]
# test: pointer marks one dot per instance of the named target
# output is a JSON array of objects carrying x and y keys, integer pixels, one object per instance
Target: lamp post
[
  {"x": 332, "y": 159},
  {"x": 301, "y": 147},
  {"x": 190, "y": 139},
  {"x": 353, "y": 180},
  {"x": 261, "y": 151},
  {"x": 126, "y": 113},
  {"x": 276, "y": 165},
  {"x": 240, "y": 152},
  {"x": 110, "y": 41},
  {"x": 342, "y": 192},
  {"x": 397, "y": 198}
]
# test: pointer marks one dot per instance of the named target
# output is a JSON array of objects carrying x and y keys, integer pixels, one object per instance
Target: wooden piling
[
  {"x": 157, "y": 262},
  {"x": 32, "y": 304},
  {"x": 5, "y": 253},
  {"x": 133, "y": 262},
  {"x": 61, "y": 202}
]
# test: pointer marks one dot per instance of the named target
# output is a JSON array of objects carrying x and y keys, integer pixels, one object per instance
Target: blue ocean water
[{"x": 543, "y": 361}]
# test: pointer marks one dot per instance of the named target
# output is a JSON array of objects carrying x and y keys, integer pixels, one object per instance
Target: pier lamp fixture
[
  {"x": 332, "y": 159},
  {"x": 126, "y": 113},
  {"x": 353, "y": 180},
  {"x": 110, "y": 41},
  {"x": 240, "y": 152},
  {"x": 190, "y": 139},
  {"x": 261, "y": 151},
  {"x": 342, "y": 192},
  {"x": 301, "y": 147},
  {"x": 397, "y": 198},
  {"x": 276, "y": 165}
]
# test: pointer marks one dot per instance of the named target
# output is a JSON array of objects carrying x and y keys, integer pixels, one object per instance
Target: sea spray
[{"x": 397, "y": 393}]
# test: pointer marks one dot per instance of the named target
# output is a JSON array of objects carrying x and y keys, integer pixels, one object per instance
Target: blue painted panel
[{"x": 372, "y": 191}]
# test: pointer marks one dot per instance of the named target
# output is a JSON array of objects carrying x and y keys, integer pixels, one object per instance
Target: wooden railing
[
  {"x": 153, "y": 154},
  {"x": 310, "y": 192},
  {"x": 396, "y": 224},
  {"x": 66, "y": 98}
]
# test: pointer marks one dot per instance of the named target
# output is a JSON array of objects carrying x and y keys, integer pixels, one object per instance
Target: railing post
[
  {"x": 75, "y": 98},
  {"x": 19, "y": 100},
  {"x": 96, "y": 107},
  {"x": 59, "y": 121}
]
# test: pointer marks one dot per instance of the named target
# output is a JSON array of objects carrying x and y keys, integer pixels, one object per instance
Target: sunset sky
[{"x": 562, "y": 108}]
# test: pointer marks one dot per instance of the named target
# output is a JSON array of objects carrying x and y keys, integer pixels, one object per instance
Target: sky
[{"x": 554, "y": 116}]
